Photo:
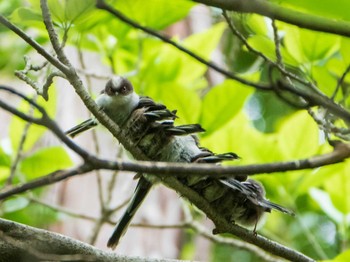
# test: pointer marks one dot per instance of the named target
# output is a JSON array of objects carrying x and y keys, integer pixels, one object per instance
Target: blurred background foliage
[{"x": 257, "y": 125}]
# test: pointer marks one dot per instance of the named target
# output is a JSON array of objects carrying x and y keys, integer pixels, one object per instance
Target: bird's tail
[
  {"x": 141, "y": 190},
  {"x": 86, "y": 125}
]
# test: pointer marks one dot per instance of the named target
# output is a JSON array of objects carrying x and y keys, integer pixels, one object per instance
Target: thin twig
[
  {"x": 341, "y": 152},
  {"x": 277, "y": 65},
  {"x": 18, "y": 156},
  {"x": 279, "y": 60},
  {"x": 62, "y": 209},
  {"x": 52, "y": 33},
  {"x": 340, "y": 82},
  {"x": 104, "y": 6},
  {"x": 54, "y": 61}
]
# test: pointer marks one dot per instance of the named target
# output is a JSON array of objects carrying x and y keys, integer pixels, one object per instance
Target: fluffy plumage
[{"x": 151, "y": 128}]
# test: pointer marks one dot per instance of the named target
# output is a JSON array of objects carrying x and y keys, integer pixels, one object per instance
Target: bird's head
[
  {"x": 118, "y": 99},
  {"x": 118, "y": 86}
]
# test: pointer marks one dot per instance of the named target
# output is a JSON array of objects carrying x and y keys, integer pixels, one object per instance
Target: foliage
[
  {"x": 258, "y": 126},
  {"x": 37, "y": 162}
]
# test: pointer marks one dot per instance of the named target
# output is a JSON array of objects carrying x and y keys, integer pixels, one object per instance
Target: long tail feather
[
  {"x": 141, "y": 190},
  {"x": 82, "y": 127}
]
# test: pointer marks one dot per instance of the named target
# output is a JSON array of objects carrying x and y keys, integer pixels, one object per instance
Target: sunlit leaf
[
  {"x": 17, "y": 126},
  {"x": 325, "y": 80},
  {"x": 241, "y": 137},
  {"x": 266, "y": 46},
  {"x": 344, "y": 50},
  {"x": 67, "y": 12},
  {"x": 299, "y": 136},
  {"x": 222, "y": 103},
  {"x": 45, "y": 161},
  {"x": 317, "y": 177},
  {"x": 257, "y": 24},
  {"x": 171, "y": 65},
  {"x": 322, "y": 8},
  {"x": 24, "y": 14},
  {"x": 308, "y": 47},
  {"x": 345, "y": 256},
  {"x": 159, "y": 14},
  {"x": 338, "y": 187},
  {"x": 4, "y": 173},
  {"x": 176, "y": 97}
]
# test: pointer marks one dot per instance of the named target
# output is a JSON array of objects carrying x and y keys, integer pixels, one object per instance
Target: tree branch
[
  {"x": 223, "y": 226},
  {"x": 315, "y": 97},
  {"x": 76, "y": 82},
  {"x": 165, "y": 169},
  {"x": 287, "y": 15},
  {"x": 167, "y": 177},
  {"x": 34, "y": 44},
  {"x": 19, "y": 242},
  {"x": 101, "y": 4}
]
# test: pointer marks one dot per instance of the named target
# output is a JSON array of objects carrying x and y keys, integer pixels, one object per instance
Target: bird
[{"x": 151, "y": 127}]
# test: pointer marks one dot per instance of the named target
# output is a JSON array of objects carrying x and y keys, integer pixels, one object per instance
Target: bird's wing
[
  {"x": 141, "y": 190},
  {"x": 268, "y": 204}
]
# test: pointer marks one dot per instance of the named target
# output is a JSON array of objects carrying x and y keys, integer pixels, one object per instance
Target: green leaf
[
  {"x": 5, "y": 159},
  {"x": 267, "y": 110},
  {"x": 298, "y": 136},
  {"x": 34, "y": 215},
  {"x": 158, "y": 13},
  {"x": 317, "y": 177},
  {"x": 72, "y": 11},
  {"x": 222, "y": 103},
  {"x": 5, "y": 163},
  {"x": 25, "y": 14},
  {"x": 257, "y": 24},
  {"x": 241, "y": 137},
  {"x": 344, "y": 256},
  {"x": 205, "y": 42},
  {"x": 266, "y": 46},
  {"x": 344, "y": 50},
  {"x": 323, "y": 8},
  {"x": 308, "y": 47},
  {"x": 44, "y": 162},
  {"x": 17, "y": 125},
  {"x": 4, "y": 173},
  {"x": 326, "y": 82},
  {"x": 338, "y": 187},
  {"x": 14, "y": 204},
  {"x": 7, "y": 7},
  {"x": 171, "y": 65}
]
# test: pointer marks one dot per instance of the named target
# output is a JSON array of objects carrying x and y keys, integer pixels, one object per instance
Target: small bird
[
  {"x": 117, "y": 100},
  {"x": 150, "y": 126}
]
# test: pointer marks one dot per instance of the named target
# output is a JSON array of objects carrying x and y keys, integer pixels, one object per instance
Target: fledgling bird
[{"x": 150, "y": 126}]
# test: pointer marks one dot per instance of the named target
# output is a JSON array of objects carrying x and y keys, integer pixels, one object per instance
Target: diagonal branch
[
  {"x": 54, "y": 61},
  {"x": 42, "y": 245},
  {"x": 169, "y": 179},
  {"x": 287, "y": 15},
  {"x": 164, "y": 169},
  {"x": 101, "y": 4}
]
